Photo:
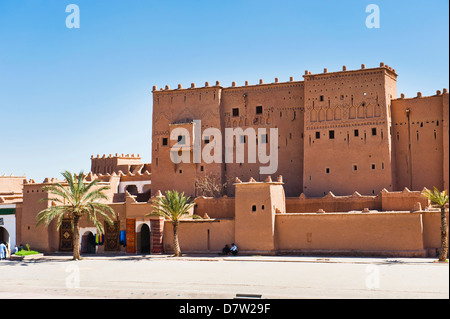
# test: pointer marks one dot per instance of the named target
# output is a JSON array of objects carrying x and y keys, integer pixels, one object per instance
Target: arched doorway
[
  {"x": 4, "y": 236},
  {"x": 145, "y": 239},
  {"x": 88, "y": 243}
]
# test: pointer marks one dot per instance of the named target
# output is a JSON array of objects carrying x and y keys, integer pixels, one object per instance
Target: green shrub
[{"x": 26, "y": 252}]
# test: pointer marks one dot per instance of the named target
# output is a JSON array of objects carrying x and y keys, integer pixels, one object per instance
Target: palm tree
[
  {"x": 76, "y": 200},
  {"x": 440, "y": 200},
  {"x": 174, "y": 207}
]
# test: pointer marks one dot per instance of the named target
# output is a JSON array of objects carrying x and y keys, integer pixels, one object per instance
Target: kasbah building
[{"x": 353, "y": 159}]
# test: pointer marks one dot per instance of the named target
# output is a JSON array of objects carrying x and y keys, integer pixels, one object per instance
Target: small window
[
  {"x": 374, "y": 131},
  {"x": 317, "y": 134},
  {"x": 254, "y": 208},
  {"x": 259, "y": 109},
  {"x": 206, "y": 139},
  {"x": 331, "y": 134},
  {"x": 327, "y": 170},
  {"x": 373, "y": 166},
  {"x": 202, "y": 168},
  {"x": 342, "y": 97},
  {"x": 165, "y": 141},
  {"x": 236, "y": 112},
  {"x": 321, "y": 98},
  {"x": 181, "y": 171},
  {"x": 355, "y": 168},
  {"x": 262, "y": 207},
  {"x": 356, "y": 133},
  {"x": 181, "y": 139}
]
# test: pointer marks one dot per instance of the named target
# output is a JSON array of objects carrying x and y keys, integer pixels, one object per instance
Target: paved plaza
[{"x": 215, "y": 277}]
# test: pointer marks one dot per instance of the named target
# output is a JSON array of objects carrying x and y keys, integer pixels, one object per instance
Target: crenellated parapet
[
  {"x": 419, "y": 94},
  {"x": 268, "y": 180},
  {"x": 109, "y": 164},
  {"x": 218, "y": 85},
  {"x": 307, "y": 73}
]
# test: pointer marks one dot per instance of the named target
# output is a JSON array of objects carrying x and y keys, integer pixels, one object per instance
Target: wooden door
[
  {"x": 131, "y": 235},
  {"x": 66, "y": 236}
]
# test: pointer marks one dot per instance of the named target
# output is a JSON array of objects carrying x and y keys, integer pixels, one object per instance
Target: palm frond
[
  {"x": 436, "y": 197},
  {"x": 69, "y": 179},
  {"x": 82, "y": 201},
  {"x": 47, "y": 215},
  {"x": 173, "y": 205},
  {"x": 58, "y": 190},
  {"x": 95, "y": 194}
]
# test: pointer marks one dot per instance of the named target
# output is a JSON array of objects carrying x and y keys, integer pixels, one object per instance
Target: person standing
[{"x": 2, "y": 251}]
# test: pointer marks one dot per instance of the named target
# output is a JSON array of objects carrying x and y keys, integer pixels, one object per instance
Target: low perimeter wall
[
  {"x": 222, "y": 207},
  {"x": 394, "y": 234},
  {"x": 208, "y": 235}
]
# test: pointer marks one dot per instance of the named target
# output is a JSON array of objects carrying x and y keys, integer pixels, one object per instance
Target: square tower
[
  {"x": 347, "y": 145},
  {"x": 256, "y": 204}
]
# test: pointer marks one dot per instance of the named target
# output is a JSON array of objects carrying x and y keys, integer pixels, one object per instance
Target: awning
[{"x": 7, "y": 211}]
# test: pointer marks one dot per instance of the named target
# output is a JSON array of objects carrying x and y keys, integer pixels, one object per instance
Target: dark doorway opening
[
  {"x": 88, "y": 243},
  {"x": 4, "y": 236},
  {"x": 145, "y": 239}
]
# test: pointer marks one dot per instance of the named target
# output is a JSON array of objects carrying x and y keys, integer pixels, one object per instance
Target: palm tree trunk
[
  {"x": 76, "y": 238},
  {"x": 176, "y": 244},
  {"x": 444, "y": 236}
]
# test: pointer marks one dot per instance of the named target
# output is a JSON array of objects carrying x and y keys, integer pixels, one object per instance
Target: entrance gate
[{"x": 66, "y": 236}]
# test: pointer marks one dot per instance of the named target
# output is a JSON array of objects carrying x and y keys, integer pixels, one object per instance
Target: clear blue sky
[{"x": 66, "y": 94}]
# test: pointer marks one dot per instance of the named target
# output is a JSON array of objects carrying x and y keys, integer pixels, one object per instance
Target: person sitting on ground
[
  {"x": 226, "y": 250},
  {"x": 234, "y": 249}
]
